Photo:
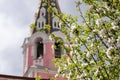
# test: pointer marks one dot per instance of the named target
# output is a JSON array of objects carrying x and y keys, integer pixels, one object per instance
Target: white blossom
[
  {"x": 99, "y": 22},
  {"x": 63, "y": 75},
  {"x": 117, "y": 12},
  {"x": 100, "y": 77},
  {"x": 71, "y": 52},
  {"x": 73, "y": 27},
  {"x": 76, "y": 40},
  {"x": 69, "y": 75},
  {"x": 88, "y": 55},
  {"x": 114, "y": 23},
  {"x": 50, "y": 37},
  {"x": 106, "y": 6},
  {"x": 95, "y": 31},
  {"x": 92, "y": 45},
  {"x": 68, "y": 60},
  {"x": 115, "y": 27},
  {"x": 99, "y": 10},
  {"x": 78, "y": 76},
  {"x": 59, "y": 69},
  {"x": 82, "y": 75},
  {"x": 102, "y": 33},
  {"x": 65, "y": 67},
  {"x": 91, "y": 7},
  {"x": 56, "y": 76},
  {"x": 109, "y": 51},
  {"x": 84, "y": 64},
  {"x": 96, "y": 72},
  {"x": 118, "y": 42},
  {"x": 111, "y": 40}
]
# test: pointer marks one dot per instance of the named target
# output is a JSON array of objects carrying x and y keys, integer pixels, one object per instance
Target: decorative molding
[
  {"x": 39, "y": 34},
  {"x": 55, "y": 23},
  {"x": 38, "y": 62},
  {"x": 44, "y": 49},
  {"x": 61, "y": 35}
]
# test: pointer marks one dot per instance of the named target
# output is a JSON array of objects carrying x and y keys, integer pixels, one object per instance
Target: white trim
[
  {"x": 26, "y": 61},
  {"x": 33, "y": 38},
  {"x": 39, "y": 34},
  {"x": 52, "y": 47},
  {"x": 61, "y": 35},
  {"x": 38, "y": 62},
  {"x": 43, "y": 10},
  {"x": 39, "y": 21},
  {"x": 44, "y": 49},
  {"x": 56, "y": 20}
]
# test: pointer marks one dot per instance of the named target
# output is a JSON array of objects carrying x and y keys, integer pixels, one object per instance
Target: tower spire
[
  {"x": 44, "y": 17},
  {"x": 38, "y": 50}
]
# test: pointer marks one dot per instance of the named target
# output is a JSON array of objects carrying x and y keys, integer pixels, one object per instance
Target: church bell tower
[{"x": 38, "y": 50}]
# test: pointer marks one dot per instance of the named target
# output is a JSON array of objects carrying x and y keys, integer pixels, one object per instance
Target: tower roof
[{"x": 43, "y": 17}]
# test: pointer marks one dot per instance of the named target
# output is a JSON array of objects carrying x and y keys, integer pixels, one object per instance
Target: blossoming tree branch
[{"x": 93, "y": 48}]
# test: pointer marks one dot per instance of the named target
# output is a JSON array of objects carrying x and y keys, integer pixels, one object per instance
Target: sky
[{"x": 15, "y": 19}]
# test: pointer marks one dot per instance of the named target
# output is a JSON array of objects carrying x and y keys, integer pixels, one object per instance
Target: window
[
  {"x": 39, "y": 48},
  {"x": 58, "y": 25},
  {"x": 39, "y": 24},
  {"x": 57, "y": 50},
  {"x": 42, "y": 24},
  {"x": 55, "y": 24},
  {"x": 42, "y": 13}
]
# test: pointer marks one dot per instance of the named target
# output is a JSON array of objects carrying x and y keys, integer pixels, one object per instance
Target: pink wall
[
  {"x": 49, "y": 55},
  {"x": 30, "y": 57},
  {"x": 48, "y": 61}
]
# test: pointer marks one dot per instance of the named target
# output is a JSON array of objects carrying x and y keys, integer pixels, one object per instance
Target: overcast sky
[{"x": 15, "y": 18}]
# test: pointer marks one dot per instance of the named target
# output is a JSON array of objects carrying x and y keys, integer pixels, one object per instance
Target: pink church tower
[{"x": 38, "y": 50}]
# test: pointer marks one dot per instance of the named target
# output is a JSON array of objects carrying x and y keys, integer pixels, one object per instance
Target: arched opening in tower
[
  {"x": 58, "y": 47},
  {"x": 39, "y": 48},
  {"x": 57, "y": 50}
]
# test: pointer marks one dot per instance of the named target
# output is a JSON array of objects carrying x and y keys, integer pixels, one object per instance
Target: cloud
[
  {"x": 21, "y": 11},
  {"x": 15, "y": 18},
  {"x": 11, "y": 61},
  {"x": 11, "y": 38},
  {"x": 14, "y": 27},
  {"x": 68, "y": 6}
]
